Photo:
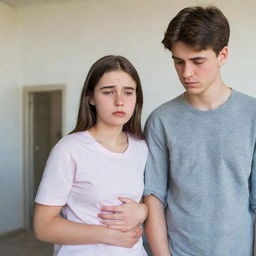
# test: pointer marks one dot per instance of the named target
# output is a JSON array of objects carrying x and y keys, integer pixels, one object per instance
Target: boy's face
[{"x": 198, "y": 71}]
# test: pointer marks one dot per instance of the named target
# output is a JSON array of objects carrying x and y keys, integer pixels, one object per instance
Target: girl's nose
[{"x": 119, "y": 100}]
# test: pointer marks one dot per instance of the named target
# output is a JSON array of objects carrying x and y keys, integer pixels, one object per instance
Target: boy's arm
[
  {"x": 254, "y": 241},
  {"x": 253, "y": 194},
  {"x": 155, "y": 227},
  {"x": 156, "y": 185}
]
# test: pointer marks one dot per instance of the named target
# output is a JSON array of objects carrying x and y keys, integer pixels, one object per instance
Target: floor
[{"x": 24, "y": 244}]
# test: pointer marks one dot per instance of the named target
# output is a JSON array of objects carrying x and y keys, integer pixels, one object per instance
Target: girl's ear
[{"x": 91, "y": 100}]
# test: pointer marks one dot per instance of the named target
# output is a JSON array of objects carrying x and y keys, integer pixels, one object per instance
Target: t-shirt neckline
[
  {"x": 205, "y": 112},
  {"x": 107, "y": 151}
]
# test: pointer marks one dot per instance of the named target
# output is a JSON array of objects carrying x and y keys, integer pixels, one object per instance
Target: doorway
[{"x": 43, "y": 127}]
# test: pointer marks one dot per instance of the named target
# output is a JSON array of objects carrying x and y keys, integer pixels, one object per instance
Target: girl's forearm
[
  {"x": 62, "y": 231},
  {"x": 50, "y": 227}
]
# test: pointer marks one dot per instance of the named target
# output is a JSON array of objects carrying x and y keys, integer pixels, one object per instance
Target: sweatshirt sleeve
[{"x": 156, "y": 171}]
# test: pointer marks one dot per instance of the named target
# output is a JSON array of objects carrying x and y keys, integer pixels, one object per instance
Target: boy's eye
[
  {"x": 199, "y": 62},
  {"x": 178, "y": 62}
]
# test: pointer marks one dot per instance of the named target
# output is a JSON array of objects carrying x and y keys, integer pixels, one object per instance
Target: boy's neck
[{"x": 209, "y": 100}]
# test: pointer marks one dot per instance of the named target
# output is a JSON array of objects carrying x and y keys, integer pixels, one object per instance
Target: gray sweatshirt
[{"x": 202, "y": 166}]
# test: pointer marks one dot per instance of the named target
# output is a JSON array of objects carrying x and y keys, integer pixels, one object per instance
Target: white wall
[
  {"x": 11, "y": 198},
  {"x": 60, "y": 41}
]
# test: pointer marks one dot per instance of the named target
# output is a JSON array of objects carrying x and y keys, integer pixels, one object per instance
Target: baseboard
[{"x": 11, "y": 233}]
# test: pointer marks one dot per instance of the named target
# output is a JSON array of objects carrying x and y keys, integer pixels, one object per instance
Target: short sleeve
[
  {"x": 253, "y": 181},
  {"x": 156, "y": 171},
  {"x": 57, "y": 178}
]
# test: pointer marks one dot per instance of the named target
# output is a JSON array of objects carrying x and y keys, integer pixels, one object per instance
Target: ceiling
[{"x": 27, "y": 2}]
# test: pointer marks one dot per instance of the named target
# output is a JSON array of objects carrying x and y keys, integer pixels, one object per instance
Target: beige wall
[
  {"x": 57, "y": 43},
  {"x": 11, "y": 213},
  {"x": 61, "y": 41}
]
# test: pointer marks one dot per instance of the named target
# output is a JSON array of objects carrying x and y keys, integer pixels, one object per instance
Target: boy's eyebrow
[
  {"x": 195, "y": 58},
  {"x": 176, "y": 58},
  {"x": 113, "y": 86},
  {"x": 198, "y": 58}
]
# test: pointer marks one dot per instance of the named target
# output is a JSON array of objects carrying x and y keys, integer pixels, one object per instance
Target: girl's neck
[{"x": 111, "y": 138}]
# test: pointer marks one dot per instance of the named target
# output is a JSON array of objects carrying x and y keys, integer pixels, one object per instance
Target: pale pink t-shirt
[{"x": 81, "y": 175}]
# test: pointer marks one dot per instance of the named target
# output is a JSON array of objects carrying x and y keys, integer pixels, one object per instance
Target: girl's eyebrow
[
  {"x": 113, "y": 86},
  {"x": 107, "y": 87},
  {"x": 129, "y": 88}
]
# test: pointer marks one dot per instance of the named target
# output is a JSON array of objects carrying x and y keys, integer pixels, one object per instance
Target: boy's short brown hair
[{"x": 200, "y": 28}]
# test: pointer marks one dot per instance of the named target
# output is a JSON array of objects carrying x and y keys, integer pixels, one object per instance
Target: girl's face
[{"x": 114, "y": 98}]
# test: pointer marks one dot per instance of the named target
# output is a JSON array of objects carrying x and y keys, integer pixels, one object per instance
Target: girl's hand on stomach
[
  {"x": 124, "y": 239},
  {"x": 124, "y": 217}
]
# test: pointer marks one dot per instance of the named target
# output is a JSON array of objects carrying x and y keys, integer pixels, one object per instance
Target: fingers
[
  {"x": 117, "y": 225},
  {"x": 137, "y": 231},
  {"x": 113, "y": 220},
  {"x": 125, "y": 200},
  {"x": 119, "y": 208},
  {"x": 121, "y": 228},
  {"x": 112, "y": 216},
  {"x": 111, "y": 208},
  {"x": 113, "y": 223}
]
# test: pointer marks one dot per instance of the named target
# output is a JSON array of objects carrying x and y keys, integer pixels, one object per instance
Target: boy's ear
[{"x": 223, "y": 56}]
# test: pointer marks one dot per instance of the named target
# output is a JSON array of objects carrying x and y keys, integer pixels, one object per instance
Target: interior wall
[
  {"x": 57, "y": 42},
  {"x": 61, "y": 41},
  {"x": 11, "y": 197}
]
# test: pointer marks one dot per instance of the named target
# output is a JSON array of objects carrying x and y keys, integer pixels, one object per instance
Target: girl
[{"x": 88, "y": 199}]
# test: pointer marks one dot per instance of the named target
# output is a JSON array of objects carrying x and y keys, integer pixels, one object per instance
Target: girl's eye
[
  {"x": 129, "y": 93},
  {"x": 107, "y": 92}
]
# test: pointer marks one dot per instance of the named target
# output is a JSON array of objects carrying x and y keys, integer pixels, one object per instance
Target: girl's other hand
[
  {"x": 125, "y": 239},
  {"x": 124, "y": 217}
]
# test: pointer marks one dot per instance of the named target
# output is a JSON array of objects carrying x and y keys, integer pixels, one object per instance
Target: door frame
[{"x": 28, "y": 144}]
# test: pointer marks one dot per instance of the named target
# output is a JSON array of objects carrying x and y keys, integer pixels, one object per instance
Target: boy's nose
[{"x": 187, "y": 71}]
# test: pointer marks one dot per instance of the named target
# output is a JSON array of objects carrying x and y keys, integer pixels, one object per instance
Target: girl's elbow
[
  {"x": 40, "y": 231},
  {"x": 39, "y": 234}
]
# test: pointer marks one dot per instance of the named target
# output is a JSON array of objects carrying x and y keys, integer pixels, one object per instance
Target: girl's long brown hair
[{"x": 87, "y": 113}]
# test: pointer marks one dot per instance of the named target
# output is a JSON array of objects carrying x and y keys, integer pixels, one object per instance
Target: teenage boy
[{"x": 200, "y": 180}]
